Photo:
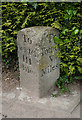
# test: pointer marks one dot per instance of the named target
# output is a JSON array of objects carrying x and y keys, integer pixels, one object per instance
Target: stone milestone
[{"x": 39, "y": 67}]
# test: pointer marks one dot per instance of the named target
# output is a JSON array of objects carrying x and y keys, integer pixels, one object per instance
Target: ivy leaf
[
  {"x": 80, "y": 31},
  {"x": 35, "y": 5},
  {"x": 66, "y": 40},
  {"x": 79, "y": 59},
  {"x": 70, "y": 17},
  {"x": 74, "y": 12},
  {"x": 69, "y": 12},
  {"x": 56, "y": 39},
  {"x": 79, "y": 69},
  {"x": 64, "y": 31},
  {"x": 78, "y": 77},
  {"x": 66, "y": 17},
  {"x": 73, "y": 28},
  {"x": 25, "y": 3},
  {"x": 76, "y": 31}
]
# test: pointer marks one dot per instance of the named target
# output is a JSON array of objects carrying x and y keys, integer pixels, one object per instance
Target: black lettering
[
  {"x": 30, "y": 61},
  {"x": 46, "y": 51},
  {"x": 44, "y": 71},
  {"x": 24, "y": 38},
  {"x": 29, "y": 71},
  {"x": 51, "y": 58},
  {"x": 29, "y": 51},
  {"x": 53, "y": 67},
  {"x": 23, "y": 67},
  {"x": 50, "y": 68},
  {"x": 49, "y": 50},
  {"x": 26, "y": 59},
  {"x": 30, "y": 41},
  {"x": 49, "y": 40},
  {"x": 56, "y": 65},
  {"x": 42, "y": 51}
]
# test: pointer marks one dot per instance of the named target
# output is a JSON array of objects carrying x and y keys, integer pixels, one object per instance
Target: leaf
[
  {"x": 56, "y": 39},
  {"x": 80, "y": 31},
  {"x": 70, "y": 17},
  {"x": 56, "y": 25},
  {"x": 76, "y": 31},
  {"x": 64, "y": 31},
  {"x": 79, "y": 59},
  {"x": 79, "y": 69},
  {"x": 71, "y": 69},
  {"x": 66, "y": 40},
  {"x": 73, "y": 28},
  {"x": 70, "y": 12},
  {"x": 78, "y": 77},
  {"x": 7, "y": 45},
  {"x": 79, "y": 15},
  {"x": 35, "y": 5},
  {"x": 74, "y": 12},
  {"x": 25, "y": 3},
  {"x": 66, "y": 17}
]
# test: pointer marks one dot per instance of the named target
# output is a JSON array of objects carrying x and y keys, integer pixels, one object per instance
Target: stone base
[{"x": 20, "y": 104}]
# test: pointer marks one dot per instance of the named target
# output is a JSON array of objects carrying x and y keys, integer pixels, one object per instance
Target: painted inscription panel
[{"x": 37, "y": 53}]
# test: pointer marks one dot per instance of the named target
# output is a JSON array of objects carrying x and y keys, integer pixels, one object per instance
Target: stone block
[{"x": 38, "y": 61}]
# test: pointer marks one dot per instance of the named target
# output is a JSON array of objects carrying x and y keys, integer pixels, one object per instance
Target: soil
[{"x": 10, "y": 79}]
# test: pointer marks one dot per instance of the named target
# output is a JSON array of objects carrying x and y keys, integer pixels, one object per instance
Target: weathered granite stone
[{"x": 39, "y": 68}]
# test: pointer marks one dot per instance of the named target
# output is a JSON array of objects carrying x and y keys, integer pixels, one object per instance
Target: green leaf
[
  {"x": 66, "y": 17},
  {"x": 70, "y": 16},
  {"x": 35, "y": 5},
  {"x": 79, "y": 69},
  {"x": 56, "y": 25},
  {"x": 56, "y": 39},
  {"x": 78, "y": 77},
  {"x": 76, "y": 31},
  {"x": 74, "y": 12},
  {"x": 64, "y": 31},
  {"x": 66, "y": 40},
  {"x": 25, "y": 3},
  {"x": 73, "y": 28},
  {"x": 70, "y": 12},
  {"x": 80, "y": 31}
]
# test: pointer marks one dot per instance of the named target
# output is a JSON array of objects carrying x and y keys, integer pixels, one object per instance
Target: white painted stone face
[{"x": 39, "y": 68}]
